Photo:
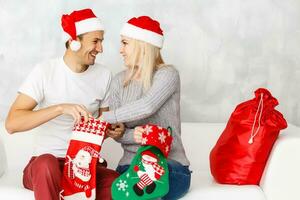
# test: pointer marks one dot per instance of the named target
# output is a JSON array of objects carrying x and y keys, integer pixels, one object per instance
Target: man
[{"x": 65, "y": 89}]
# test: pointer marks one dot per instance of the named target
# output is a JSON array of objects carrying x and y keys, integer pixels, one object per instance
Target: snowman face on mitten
[{"x": 81, "y": 165}]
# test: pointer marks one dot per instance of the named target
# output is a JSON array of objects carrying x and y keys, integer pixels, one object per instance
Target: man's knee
[{"x": 45, "y": 165}]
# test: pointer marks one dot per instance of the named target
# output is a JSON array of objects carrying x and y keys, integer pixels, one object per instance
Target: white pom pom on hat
[
  {"x": 79, "y": 22},
  {"x": 75, "y": 45}
]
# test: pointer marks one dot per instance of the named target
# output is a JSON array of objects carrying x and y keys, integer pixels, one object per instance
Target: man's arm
[{"x": 22, "y": 117}]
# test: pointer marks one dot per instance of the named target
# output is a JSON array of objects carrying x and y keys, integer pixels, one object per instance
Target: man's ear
[{"x": 69, "y": 42}]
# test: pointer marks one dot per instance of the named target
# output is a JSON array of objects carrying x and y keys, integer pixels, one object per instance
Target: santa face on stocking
[
  {"x": 151, "y": 173},
  {"x": 81, "y": 165}
]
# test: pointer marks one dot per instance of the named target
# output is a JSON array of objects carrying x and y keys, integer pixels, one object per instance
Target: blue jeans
[{"x": 179, "y": 179}]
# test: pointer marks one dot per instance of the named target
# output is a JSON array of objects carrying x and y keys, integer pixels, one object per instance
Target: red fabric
[
  {"x": 68, "y": 21},
  {"x": 79, "y": 15},
  {"x": 145, "y": 22},
  {"x": 136, "y": 168},
  {"x": 43, "y": 175},
  {"x": 157, "y": 136},
  {"x": 79, "y": 177},
  {"x": 68, "y": 26},
  {"x": 240, "y": 154}
]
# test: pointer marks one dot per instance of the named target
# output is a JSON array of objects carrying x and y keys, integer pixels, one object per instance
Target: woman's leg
[
  {"x": 179, "y": 180},
  {"x": 122, "y": 168}
]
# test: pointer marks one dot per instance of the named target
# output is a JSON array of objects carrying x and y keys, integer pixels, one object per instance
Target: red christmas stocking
[{"x": 79, "y": 175}]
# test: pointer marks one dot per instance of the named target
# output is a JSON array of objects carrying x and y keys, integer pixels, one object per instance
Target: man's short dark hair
[{"x": 80, "y": 38}]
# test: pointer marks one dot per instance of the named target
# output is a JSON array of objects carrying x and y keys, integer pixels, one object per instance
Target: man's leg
[
  {"x": 43, "y": 176},
  {"x": 104, "y": 180}
]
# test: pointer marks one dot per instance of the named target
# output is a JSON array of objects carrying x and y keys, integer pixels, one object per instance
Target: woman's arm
[
  {"x": 127, "y": 138},
  {"x": 165, "y": 83}
]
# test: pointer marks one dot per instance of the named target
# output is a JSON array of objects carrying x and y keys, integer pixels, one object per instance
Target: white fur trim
[
  {"x": 87, "y": 137},
  {"x": 101, "y": 160},
  {"x": 138, "y": 33},
  {"x": 75, "y": 45},
  {"x": 149, "y": 158},
  {"x": 88, "y": 25}
]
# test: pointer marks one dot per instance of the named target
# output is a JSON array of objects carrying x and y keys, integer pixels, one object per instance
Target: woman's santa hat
[
  {"x": 79, "y": 22},
  {"x": 145, "y": 29}
]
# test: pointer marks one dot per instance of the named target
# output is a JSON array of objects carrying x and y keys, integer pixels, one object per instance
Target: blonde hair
[{"x": 145, "y": 59}]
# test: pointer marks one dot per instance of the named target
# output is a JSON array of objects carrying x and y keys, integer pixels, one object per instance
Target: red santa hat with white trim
[
  {"x": 145, "y": 29},
  {"x": 149, "y": 156},
  {"x": 79, "y": 22}
]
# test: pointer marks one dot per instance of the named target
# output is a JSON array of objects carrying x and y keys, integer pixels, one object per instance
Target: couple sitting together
[{"x": 59, "y": 92}]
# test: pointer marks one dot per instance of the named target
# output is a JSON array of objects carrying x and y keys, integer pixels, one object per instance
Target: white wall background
[{"x": 224, "y": 49}]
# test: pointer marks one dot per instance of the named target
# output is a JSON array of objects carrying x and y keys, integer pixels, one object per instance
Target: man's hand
[
  {"x": 76, "y": 111},
  {"x": 116, "y": 131},
  {"x": 137, "y": 134}
]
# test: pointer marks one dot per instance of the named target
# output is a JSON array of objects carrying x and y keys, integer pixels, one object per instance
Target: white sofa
[{"x": 280, "y": 180}]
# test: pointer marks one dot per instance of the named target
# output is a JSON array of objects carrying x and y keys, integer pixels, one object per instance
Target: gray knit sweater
[{"x": 159, "y": 105}]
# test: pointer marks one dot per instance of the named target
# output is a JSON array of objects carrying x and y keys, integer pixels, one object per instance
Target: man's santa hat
[
  {"x": 145, "y": 29},
  {"x": 79, "y": 22}
]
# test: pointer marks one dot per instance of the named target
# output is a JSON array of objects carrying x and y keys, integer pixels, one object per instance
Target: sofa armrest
[{"x": 282, "y": 175}]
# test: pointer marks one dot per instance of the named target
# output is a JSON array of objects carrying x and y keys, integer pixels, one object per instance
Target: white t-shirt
[{"x": 53, "y": 82}]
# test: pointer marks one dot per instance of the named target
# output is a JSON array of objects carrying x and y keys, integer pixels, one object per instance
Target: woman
[{"x": 148, "y": 91}]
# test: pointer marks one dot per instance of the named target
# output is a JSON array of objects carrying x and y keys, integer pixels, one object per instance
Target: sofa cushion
[
  {"x": 204, "y": 187},
  {"x": 11, "y": 186},
  {"x": 198, "y": 140},
  {"x": 18, "y": 147}
]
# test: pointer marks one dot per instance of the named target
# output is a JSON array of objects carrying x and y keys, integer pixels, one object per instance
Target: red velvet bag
[{"x": 241, "y": 152}]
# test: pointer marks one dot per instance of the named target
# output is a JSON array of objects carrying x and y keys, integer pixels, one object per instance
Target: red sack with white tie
[
  {"x": 79, "y": 175},
  {"x": 240, "y": 154}
]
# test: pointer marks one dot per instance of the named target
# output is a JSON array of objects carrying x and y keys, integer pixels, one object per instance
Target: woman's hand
[
  {"x": 137, "y": 134},
  {"x": 116, "y": 131}
]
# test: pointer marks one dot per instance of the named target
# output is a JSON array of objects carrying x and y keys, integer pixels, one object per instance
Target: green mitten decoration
[{"x": 148, "y": 174}]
